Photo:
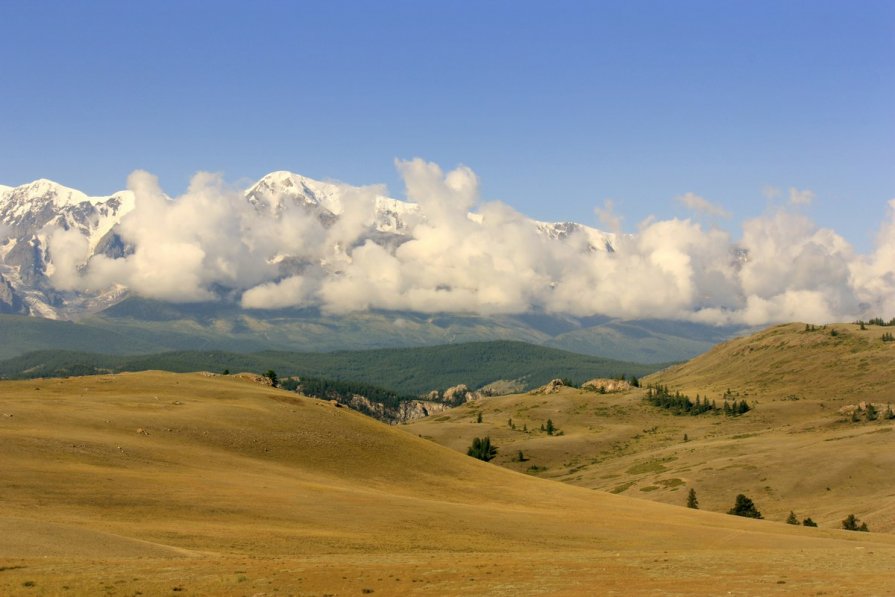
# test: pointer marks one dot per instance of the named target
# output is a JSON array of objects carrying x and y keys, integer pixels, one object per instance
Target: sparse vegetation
[
  {"x": 880, "y": 322},
  {"x": 744, "y": 507},
  {"x": 482, "y": 449},
  {"x": 344, "y": 391}
]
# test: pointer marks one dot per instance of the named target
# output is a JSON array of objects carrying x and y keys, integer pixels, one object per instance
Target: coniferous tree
[
  {"x": 791, "y": 519},
  {"x": 692, "y": 502},
  {"x": 272, "y": 376},
  {"x": 744, "y": 507},
  {"x": 851, "y": 523},
  {"x": 550, "y": 429},
  {"x": 872, "y": 413},
  {"x": 808, "y": 522},
  {"x": 482, "y": 449}
]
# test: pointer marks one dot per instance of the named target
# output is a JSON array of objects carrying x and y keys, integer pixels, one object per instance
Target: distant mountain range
[
  {"x": 409, "y": 372},
  {"x": 113, "y": 319},
  {"x": 31, "y": 213}
]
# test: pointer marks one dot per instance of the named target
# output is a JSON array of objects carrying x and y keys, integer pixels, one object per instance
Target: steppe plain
[{"x": 157, "y": 483}]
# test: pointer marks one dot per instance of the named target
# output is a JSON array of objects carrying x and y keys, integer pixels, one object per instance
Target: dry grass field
[
  {"x": 163, "y": 484},
  {"x": 795, "y": 451}
]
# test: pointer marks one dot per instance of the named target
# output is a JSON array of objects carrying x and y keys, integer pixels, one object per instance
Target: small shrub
[{"x": 808, "y": 522}]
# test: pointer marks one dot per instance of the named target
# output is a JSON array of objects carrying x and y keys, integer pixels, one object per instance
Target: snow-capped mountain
[
  {"x": 31, "y": 213},
  {"x": 28, "y": 214}
]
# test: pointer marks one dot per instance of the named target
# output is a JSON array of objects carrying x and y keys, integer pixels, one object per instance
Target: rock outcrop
[
  {"x": 552, "y": 387},
  {"x": 607, "y": 385}
]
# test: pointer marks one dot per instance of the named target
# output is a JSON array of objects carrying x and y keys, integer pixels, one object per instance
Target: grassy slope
[
  {"x": 795, "y": 451},
  {"x": 155, "y": 482},
  {"x": 405, "y": 370}
]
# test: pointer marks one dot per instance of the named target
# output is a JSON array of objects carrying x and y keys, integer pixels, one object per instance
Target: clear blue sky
[{"x": 557, "y": 106}]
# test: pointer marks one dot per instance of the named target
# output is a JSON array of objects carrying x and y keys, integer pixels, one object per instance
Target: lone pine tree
[
  {"x": 744, "y": 507},
  {"x": 482, "y": 449}
]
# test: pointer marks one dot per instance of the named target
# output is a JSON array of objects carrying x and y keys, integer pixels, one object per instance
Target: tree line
[{"x": 681, "y": 404}]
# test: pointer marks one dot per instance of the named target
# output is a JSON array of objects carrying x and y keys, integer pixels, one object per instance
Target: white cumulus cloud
[{"x": 459, "y": 253}]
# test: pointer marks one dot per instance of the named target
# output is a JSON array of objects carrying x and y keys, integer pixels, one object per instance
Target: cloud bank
[{"x": 460, "y": 254}]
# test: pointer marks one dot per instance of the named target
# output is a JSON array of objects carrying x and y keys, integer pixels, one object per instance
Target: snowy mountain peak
[
  {"x": 32, "y": 215},
  {"x": 50, "y": 191},
  {"x": 277, "y": 190}
]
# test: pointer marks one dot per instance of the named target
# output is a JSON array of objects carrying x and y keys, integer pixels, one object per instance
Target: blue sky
[{"x": 557, "y": 106}]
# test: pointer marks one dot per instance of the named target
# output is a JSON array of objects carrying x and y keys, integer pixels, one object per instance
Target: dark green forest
[{"x": 402, "y": 371}]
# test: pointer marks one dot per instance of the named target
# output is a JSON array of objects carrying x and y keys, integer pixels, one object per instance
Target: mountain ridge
[{"x": 32, "y": 213}]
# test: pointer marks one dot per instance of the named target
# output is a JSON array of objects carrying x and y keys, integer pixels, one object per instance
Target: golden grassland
[
  {"x": 794, "y": 452},
  {"x": 164, "y": 484}
]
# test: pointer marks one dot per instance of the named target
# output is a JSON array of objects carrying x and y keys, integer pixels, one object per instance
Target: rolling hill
[
  {"x": 806, "y": 446},
  {"x": 157, "y": 483}
]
